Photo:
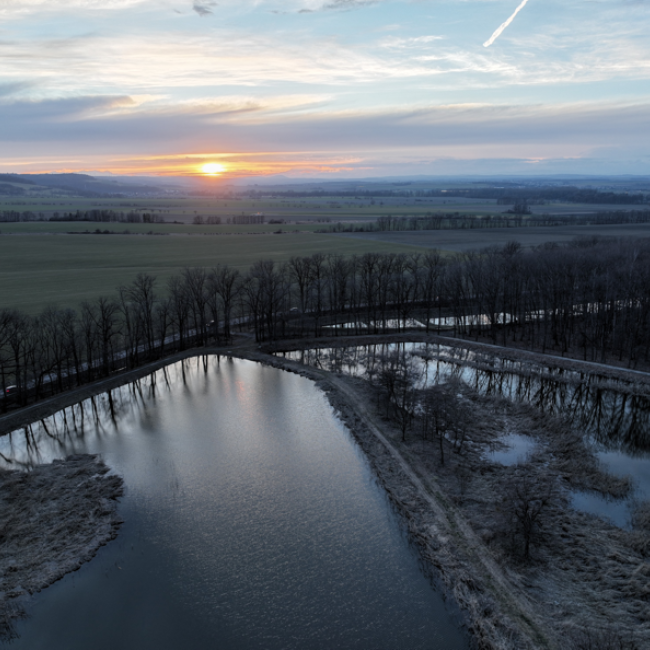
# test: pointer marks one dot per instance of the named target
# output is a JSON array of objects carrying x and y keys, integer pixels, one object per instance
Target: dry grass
[{"x": 54, "y": 518}]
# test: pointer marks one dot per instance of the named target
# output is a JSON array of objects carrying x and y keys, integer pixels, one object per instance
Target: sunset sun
[{"x": 212, "y": 169}]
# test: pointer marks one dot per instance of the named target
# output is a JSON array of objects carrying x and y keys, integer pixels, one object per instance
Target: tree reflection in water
[
  {"x": 614, "y": 414},
  {"x": 66, "y": 431}
]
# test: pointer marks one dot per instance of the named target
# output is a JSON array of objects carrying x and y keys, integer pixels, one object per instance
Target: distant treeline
[
  {"x": 108, "y": 216},
  {"x": 503, "y": 195},
  {"x": 240, "y": 219},
  {"x": 113, "y": 216},
  {"x": 456, "y": 221},
  {"x": 15, "y": 178},
  {"x": 591, "y": 297},
  {"x": 102, "y": 216}
]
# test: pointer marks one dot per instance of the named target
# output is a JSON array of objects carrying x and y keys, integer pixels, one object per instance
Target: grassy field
[
  {"x": 39, "y": 270},
  {"x": 312, "y": 209},
  {"x": 462, "y": 240},
  {"x": 42, "y": 263}
]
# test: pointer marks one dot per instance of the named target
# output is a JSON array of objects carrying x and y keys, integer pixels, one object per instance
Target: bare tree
[
  {"x": 399, "y": 373},
  {"x": 526, "y": 504},
  {"x": 442, "y": 416},
  {"x": 179, "y": 307},
  {"x": 142, "y": 295},
  {"x": 226, "y": 283},
  {"x": 196, "y": 281}
]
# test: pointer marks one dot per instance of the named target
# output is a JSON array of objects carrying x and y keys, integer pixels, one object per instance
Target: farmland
[
  {"x": 38, "y": 270},
  {"x": 463, "y": 240},
  {"x": 306, "y": 212},
  {"x": 62, "y": 262}
]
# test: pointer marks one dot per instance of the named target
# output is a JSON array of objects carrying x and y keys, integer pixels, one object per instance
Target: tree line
[
  {"x": 506, "y": 193},
  {"x": 108, "y": 216},
  {"x": 102, "y": 216},
  {"x": 518, "y": 217},
  {"x": 590, "y": 298}
]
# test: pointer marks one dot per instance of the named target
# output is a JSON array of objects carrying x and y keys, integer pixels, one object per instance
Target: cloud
[
  {"x": 187, "y": 61},
  {"x": 13, "y": 88},
  {"x": 254, "y": 80},
  {"x": 304, "y": 124},
  {"x": 347, "y": 5},
  {"x": 90, "y": 130},
  {"x": 203, "y": 9},
  {"x": 22, "y": 7},
  {"x": 59, "y": 111}
]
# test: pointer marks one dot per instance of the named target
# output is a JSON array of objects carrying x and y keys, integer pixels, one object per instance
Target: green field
[
  {"x": 58, "y": 227},
  {"x": 40, "y": 270},
  {"x": 310, "y": 213},
  {"x": 300, "y": 210},
  {"x": 468, "y": 239},
  {"x": 44, "y": 262}
]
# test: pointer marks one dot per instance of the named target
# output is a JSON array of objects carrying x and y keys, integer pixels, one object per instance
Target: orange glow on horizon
[
  {"x": 213, "y": 169},
  {"x": 201, "y": 165}
]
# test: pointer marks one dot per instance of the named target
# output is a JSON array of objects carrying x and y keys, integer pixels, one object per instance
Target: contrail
[{"x": 500, "y": 29}]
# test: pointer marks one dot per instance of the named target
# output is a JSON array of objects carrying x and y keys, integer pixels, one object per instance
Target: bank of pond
[{"x": 251, "y": 521}]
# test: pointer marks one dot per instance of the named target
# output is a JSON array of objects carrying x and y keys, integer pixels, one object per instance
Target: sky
[{"x": 325, "y": 88}]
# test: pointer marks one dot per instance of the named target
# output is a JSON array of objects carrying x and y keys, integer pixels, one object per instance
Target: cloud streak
[
  {"x": 503, "y": 26},
  {"x": 99, "y": 132}
]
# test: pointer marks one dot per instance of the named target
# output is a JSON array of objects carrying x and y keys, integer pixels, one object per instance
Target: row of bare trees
[
  {"x": 590, "y": 298},
  {"x": 512, "y": 218},
  {"x": 62, "y": 348}
]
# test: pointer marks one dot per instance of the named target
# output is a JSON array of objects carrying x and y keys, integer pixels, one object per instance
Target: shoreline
[
  {"x": 436, "y": 528},
  {"x": 50, "y": 405},
  {"x": 499, "y": 602},
  {"x": 55, "y": 518},
  {"x": 507, "y": 604}
]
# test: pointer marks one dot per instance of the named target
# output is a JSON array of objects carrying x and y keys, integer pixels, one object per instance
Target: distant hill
[{"x": 78, "y": 184}]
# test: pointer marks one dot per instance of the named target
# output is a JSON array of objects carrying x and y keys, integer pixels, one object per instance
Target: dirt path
[
  {"x": 550, "y": 359},
  {"x": 514, "y": 602},
  {"x": 46, "y": 407},
  {"x": 499, "y": 613},
  {"x": 503, "y": 352}
]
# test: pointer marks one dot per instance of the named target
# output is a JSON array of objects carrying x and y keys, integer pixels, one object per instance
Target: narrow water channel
[
  {"x": 252, "y": 521},
  {"x": 614, "y": 415}
]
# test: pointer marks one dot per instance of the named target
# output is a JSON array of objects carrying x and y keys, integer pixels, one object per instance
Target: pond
[
  {"x": 614, "y": 415},
  {"x": 252, "y": 521}
]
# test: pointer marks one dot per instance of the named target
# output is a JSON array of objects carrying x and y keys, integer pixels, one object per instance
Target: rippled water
[{"x": 252, "y": 521}]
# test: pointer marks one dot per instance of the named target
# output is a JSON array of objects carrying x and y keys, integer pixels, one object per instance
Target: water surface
[
  {"x": 516, "y": 449},
  {"x": 252, "y": 521}
]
